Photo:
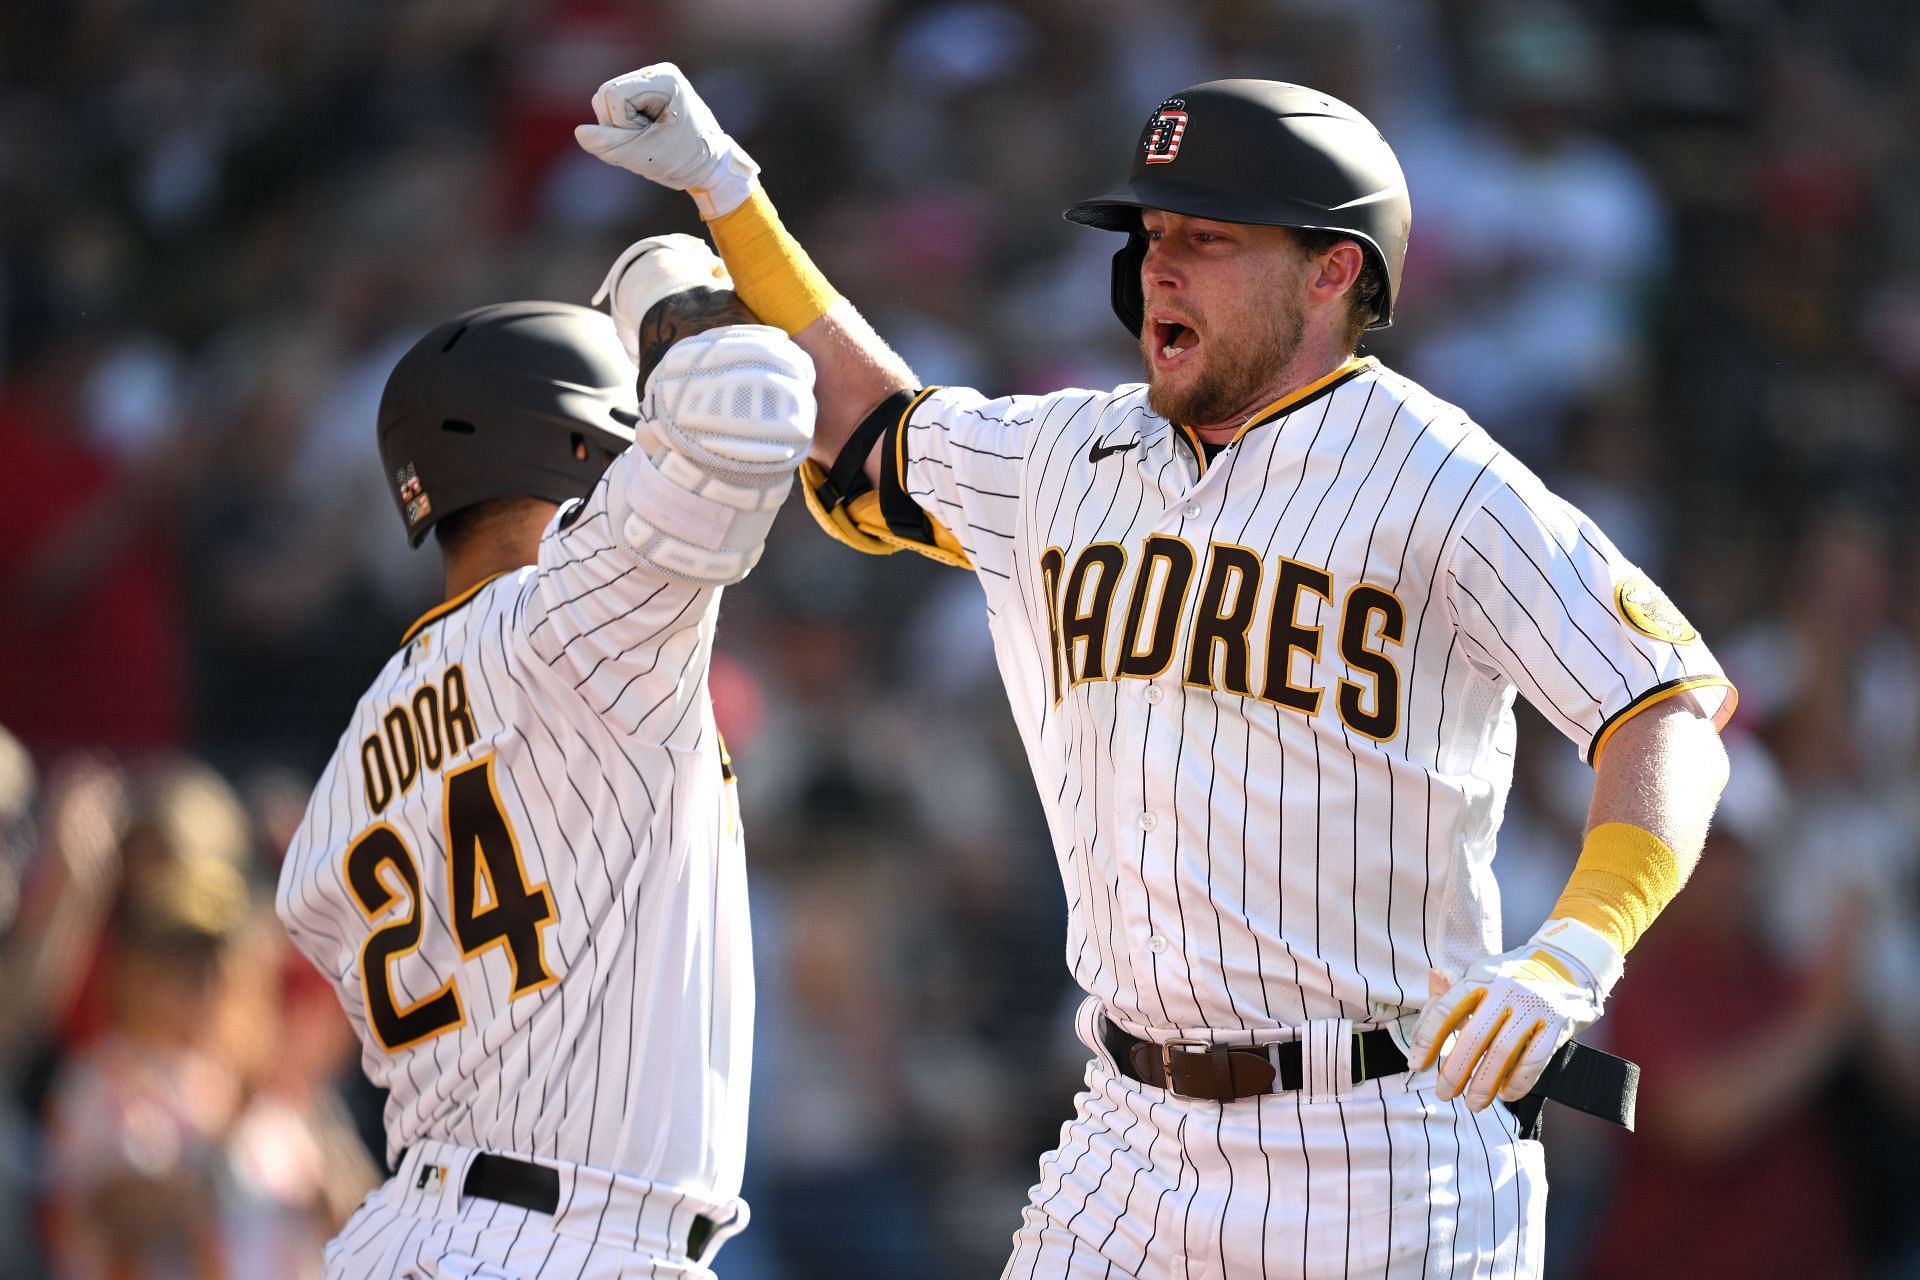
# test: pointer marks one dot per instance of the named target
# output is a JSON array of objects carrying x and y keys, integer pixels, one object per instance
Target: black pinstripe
[
  {"x": 1384, "y": 485},
  {"x": 548, "y": 653},
  {"x": 1554, "y": 590}
]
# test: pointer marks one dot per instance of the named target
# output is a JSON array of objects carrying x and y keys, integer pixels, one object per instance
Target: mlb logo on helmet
[{"x": 1164, "y": 131}]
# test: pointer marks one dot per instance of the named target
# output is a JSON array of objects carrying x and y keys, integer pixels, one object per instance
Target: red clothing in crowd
[
  {"x": 107, "y": 668},
  {"x": 1771, "y": 1206}
]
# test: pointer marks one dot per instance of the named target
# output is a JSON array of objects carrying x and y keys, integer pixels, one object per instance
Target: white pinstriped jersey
[
  {"x": 1268, "y": 699},
  {"x": 522, "y": 869}
]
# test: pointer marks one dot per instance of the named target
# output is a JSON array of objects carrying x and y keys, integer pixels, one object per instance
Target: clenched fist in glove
[
  {"x": 1509, "y": 1013},
  {"x": 652, "y": 123}
]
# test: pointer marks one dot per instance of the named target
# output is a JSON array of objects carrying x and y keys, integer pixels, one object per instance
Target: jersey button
[
  {"x": 1156, "y": 944},
  {"x": 1154, "y": 694},
  {"x": 1148, "y": 822},
  {"x": 1193, "y": 511}
]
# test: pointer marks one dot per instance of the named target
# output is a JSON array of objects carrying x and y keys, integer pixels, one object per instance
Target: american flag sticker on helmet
[
  {"x": 413, "y": 497},
  {"x": 1164, "y": 133}
]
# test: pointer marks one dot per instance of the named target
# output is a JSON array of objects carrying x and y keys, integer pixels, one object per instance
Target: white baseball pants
[
  {"x": 1379, "y": 1179},
  {"x": 420, "y": 1226}
]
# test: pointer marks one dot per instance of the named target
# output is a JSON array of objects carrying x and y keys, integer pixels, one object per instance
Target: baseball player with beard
[
  {"x": 522, "y": 869},
  {"x": 1262, "y": 621}
]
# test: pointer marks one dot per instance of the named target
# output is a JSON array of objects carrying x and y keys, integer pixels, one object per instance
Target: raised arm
[
  {"x": 652, "y": 123},
  {"x": 858, "y": 371},
  {"x": 626, "y": 589}
]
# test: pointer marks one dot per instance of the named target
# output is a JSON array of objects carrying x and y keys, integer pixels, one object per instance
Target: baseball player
[
  {"x": 1262, "y": 621},
  {"x": 522, "y": 868}
]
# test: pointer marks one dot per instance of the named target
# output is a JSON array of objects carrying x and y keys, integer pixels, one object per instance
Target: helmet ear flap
[{"x": 1129, "y": 300}]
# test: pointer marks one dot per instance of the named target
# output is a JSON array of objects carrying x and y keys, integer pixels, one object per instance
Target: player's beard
[{"x": 1239, "y": 362}]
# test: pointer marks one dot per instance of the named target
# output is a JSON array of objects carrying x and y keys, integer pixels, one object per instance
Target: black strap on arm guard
[
  {"x": 847, "y": 477},
  {"x": 879, "y": 518},
  {"x": 903, "y": 515}
]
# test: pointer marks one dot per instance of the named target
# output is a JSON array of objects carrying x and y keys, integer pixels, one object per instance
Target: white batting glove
[
  {"x": 1512, "y": 1011},
  {"x": 655, "y": 268},
  {"x": 652, "y": 123}
]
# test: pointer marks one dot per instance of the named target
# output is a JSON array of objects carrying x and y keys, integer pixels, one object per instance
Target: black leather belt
[
  {"x": 537, "y": 1187},
  {"x": 1576, "y": 1076},
  {"x": 1225, "y": 1073}
]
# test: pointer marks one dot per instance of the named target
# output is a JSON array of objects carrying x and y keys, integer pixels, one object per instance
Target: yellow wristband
[
  {"x": 771, "y": 272},
  {"x": 1625, "y": 877}
]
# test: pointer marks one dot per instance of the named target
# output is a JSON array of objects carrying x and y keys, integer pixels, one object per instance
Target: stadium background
[{"x": 1667, "y": 250}]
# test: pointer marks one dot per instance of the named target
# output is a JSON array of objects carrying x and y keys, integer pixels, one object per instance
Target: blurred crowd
[{"x": 1667, "y": 250}]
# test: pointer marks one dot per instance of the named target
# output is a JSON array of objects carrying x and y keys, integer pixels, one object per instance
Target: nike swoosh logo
[{"x": 1102, "y": 450}]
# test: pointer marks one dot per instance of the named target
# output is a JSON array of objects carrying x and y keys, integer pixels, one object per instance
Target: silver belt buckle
[{"x": 1167, "y": 1048}]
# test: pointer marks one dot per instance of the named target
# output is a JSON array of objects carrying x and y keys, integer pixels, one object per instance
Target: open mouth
[{"x": 1172, "y": 339}]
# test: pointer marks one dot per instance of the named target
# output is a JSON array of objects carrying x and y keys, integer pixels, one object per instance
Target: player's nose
[{"x": 1161, "y": 267}]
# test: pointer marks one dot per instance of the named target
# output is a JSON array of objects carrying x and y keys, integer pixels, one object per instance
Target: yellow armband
[
  {"x": 771, "y": 272},
  {"x": 1625, "y": 877}
]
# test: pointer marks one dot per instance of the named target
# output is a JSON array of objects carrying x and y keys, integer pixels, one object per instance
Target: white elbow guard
[{"x": 727, "y": 418}]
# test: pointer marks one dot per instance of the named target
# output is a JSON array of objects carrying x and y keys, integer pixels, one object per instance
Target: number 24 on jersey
[{"x": 481, "y": 854}]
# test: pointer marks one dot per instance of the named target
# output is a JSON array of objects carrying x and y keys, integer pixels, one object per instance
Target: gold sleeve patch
[{"x": 1648, "y": 611}]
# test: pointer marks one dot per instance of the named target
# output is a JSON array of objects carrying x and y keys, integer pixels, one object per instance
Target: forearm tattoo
[{"x": 682, "y": 315}]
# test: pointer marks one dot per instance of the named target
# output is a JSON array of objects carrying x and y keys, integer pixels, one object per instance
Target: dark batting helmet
[
  {"x": 495, "y": 404},
  {"x": 1263, "y": 152}
]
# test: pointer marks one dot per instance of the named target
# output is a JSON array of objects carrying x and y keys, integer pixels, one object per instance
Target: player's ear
[{"x": 1334, "y": 270}]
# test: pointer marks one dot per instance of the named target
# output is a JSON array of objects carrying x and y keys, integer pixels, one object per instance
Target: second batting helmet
[
  {"x": 496, "y": 402},
  {"x": 1264, "y": 152}
]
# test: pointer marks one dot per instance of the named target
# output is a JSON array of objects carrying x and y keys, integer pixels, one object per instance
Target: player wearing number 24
[
  {"x": 522, "y": 868},
  {"x": 1262, "y": 620}
]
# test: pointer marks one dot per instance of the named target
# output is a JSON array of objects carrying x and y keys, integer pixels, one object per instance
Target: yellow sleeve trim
[
  {"x": 1659, "y": 694},
  {"x": 771, "y": 272},
  {"x": 446, "y": 607},
  {"x": 945, "y": 548},
  {"x": 899, "y": 430},
  {"x": 1625, "y": 877}
]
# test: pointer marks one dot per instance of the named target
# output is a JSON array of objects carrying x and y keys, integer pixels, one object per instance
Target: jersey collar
[
  {"x": 1312, "y": 391},
  {"x": 446, "y": 607},
  {"x": 1284, "y": 405}
]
